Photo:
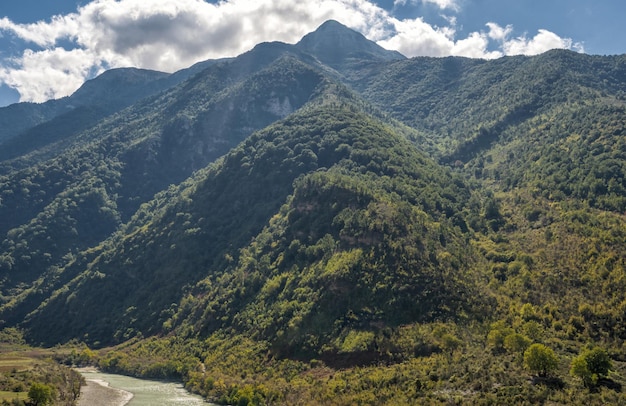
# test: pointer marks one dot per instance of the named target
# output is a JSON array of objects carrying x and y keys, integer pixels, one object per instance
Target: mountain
[
  {"x": 508, "y": 103},
  {"x": 334, "y": 45},
  {"x": 331, "y": 222},
  {"x": 97, "y": 98},
  {"x": 522, "y": 84},
  {"x": 332, "y": 208},
  {"x": 111, "y": 91},
  {"x": 124, "y": 161}
]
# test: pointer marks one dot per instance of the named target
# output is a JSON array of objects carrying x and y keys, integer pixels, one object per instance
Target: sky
[{"x": 48, "y": 48}]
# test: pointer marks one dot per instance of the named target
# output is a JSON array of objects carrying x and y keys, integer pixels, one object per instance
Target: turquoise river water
[{"x": 145, "y": 392}]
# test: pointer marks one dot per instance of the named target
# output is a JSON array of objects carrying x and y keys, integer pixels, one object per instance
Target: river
[{"x": 117, "y": 390}]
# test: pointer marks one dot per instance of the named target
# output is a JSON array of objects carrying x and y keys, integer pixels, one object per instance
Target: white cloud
[
  {"x": 41, "y": 33},
  {"x": 499, "y": 33},
  {"x": 164, "y": 35},
  {"x": 474, "y": 46},
  {"x": 445, "y": 4},
  {"x": 442, "y": 4},
  {"x": 543, "y": 41},
  {"x": 168, "y": 35},
  {"x": 48, "y": 74},
  {"x": 416, "y": 37}
]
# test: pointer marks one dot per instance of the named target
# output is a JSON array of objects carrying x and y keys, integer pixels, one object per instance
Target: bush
[
  {"x": 591, "y": 365},
  {"x": 516, "y": 343},
  {"x": 41, "y": 394},
  {"x": 540, "y": 359}
]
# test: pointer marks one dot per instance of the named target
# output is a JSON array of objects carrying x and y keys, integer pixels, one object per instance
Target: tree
[
  {"x": 41, "y": 394},
  {"x": 540, "y": 359},
  {"x": 495, "y": 339},
  {"x": 591, "y": 365},
  {"x": 516, "y": 343}
]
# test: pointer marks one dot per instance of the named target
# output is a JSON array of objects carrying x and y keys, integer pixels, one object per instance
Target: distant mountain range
[{"x": 342, "y": 210}]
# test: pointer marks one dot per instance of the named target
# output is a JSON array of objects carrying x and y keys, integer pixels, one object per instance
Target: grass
[
  {"x": 9, "y": 363},
  {"x": 19, "y": 364},
  {"x": 9, "y": 396}
]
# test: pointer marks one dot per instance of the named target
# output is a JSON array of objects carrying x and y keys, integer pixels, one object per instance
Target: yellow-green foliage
[
  {"x": 30, "y": 373},
  {"x": 336, "y": 256},
  {"x": 591, "y": 365},
  {"x": 540, "y": 359},
  {"x": 355, "y": 341}
]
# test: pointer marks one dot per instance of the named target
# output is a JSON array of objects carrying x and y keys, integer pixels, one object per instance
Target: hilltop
[{"x": 330, "y": 221}]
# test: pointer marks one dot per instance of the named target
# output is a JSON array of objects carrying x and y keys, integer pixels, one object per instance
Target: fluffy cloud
[
  {"x": 499, "y": 33},
  {"x": 163, "y": 35},
  {"x": 474, "y": 46},
  {"x": 442, "y": 4},
  {"x": 416, "y": 37},
  {"x": 543, "y": 41},
  {"x": 48, "y": 74},
  {"x": 168, "y": 35}
]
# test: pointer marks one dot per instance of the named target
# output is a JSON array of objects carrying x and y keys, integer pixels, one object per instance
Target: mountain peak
[
  {"x": 333, "y": 43},
  {"x": 332, "y": 25}
]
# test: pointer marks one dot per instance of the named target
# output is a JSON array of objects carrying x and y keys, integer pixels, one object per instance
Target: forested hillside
[
  {"x": 73, "y": 200},
  {"x": 350, "y": 189},
  {"x": 332, "y": 223}
]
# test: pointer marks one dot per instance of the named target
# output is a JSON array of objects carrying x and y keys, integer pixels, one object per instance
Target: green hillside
[
  {"x": 350, "y": 189},
  {"x": 466, "y": 104},
  {"x": 78, "y": 197},
  {"x": 331, "y": 223}
]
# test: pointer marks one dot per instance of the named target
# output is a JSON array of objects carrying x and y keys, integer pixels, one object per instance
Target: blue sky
[{"x": 48, "y": 48}]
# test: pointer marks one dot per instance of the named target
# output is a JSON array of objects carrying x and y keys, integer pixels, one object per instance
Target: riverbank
[
  {"x": 97, "y": 392},
  {"x": 105, "y": 389}
]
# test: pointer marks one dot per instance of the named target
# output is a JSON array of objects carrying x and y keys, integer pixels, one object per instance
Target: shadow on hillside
[
  {"x": 551, "y": 382},
  {"x": 609, "y": 384}
]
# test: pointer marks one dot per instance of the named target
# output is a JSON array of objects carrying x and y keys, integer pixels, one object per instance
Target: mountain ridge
[
  {"x": 128, "y": 89},
  {"x": 304, "y": 222}
]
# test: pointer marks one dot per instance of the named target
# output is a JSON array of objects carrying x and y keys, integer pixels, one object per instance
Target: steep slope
[
  {"x": 466, "y": 104},
  {"x": 368, "y": 218},
  {"x": 325, "y": 258},
  {"x": 119, "y": 88},
  {"x": 552, "y": 122},
  {"x": 116, "y": 85},
  {"x": 79, "y": 197},
  {"x": 109, "y": 92},
  {"x": 75, "y": 182}
]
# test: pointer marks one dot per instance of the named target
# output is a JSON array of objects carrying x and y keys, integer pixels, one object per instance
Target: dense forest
[{"x": 329, "y": 223}]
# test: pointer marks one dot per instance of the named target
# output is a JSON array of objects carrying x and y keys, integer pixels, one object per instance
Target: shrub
[
  {"x": 516, "y": 343},
  {"x": 591, "y": 365},
  {"x": 540, "y": 359},
  {"x": 41, "y": 394}
]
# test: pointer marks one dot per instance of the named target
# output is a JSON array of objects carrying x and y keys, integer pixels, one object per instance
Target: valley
[{"x": 329, "y": 222}]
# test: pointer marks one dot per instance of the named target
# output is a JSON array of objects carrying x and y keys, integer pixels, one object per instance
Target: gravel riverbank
[
  {"x": 98, "y": 393},
  {"x": 105, "y": 389}
]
